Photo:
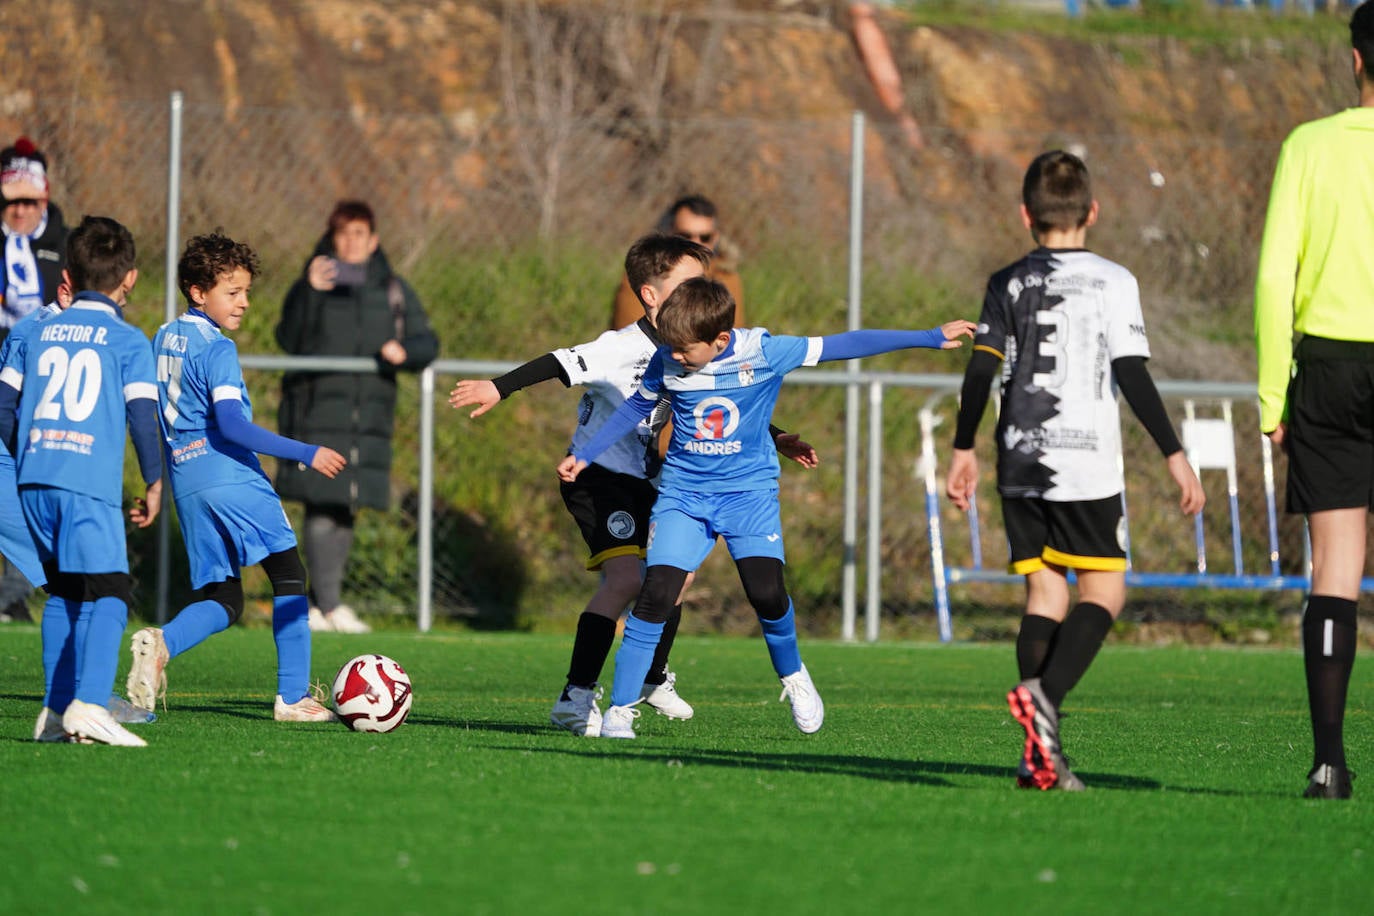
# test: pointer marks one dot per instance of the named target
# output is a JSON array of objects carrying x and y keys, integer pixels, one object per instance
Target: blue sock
[
  {"x": 291, "y": 630},
  {"x": 781, "y": 637},
  {"x": 108, "y": 618},
  {"x": 633, "y": 659},
  {"x": 59, "y": 652},
  {"x": 194, "y": 624}
]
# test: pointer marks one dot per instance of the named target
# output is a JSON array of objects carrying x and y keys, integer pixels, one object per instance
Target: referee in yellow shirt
[{"x": 1314, "y": 308}]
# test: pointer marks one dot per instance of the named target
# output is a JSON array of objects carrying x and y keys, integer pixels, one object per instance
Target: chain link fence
[{"x": 512, "y": 225}]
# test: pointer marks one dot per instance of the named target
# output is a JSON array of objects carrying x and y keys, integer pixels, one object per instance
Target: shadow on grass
[{"x": 925, "y": 772}]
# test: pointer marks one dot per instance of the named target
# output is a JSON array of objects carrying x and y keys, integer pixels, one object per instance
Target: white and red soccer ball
[{"x": 372, "y": 694}]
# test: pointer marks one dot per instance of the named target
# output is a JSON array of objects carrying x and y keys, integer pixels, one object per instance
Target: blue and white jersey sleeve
[{"x": 197, "y": 367}]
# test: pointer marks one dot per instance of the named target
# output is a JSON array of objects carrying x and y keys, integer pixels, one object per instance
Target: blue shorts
[
  {"x": 684, "y": 526},
  {"x": 15, "y": 541},
  {"x": 227, "y": 528},
  {"x": 80, "y": 533}
]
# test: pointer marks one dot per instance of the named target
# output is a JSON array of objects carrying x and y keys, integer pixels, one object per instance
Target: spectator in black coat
[{"x": 347, "y": 303}]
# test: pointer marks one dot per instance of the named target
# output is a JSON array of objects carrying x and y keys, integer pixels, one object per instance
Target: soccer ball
[{"x": 372, "y": 694}]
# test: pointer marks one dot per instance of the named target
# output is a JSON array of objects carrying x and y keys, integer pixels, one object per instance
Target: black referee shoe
[{"x": 1327, "y": 781}]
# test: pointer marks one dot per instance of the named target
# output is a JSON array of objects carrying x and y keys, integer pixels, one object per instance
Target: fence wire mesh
[{"x": 527, "y": 210}]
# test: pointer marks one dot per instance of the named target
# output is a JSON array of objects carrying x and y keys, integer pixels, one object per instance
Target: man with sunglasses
[
  {"x": 691, "y": 217},
  {"x": 35, "y": 237}
]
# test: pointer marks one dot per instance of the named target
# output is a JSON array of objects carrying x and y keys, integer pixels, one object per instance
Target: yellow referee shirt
[{"x": 1316, "y": 266}]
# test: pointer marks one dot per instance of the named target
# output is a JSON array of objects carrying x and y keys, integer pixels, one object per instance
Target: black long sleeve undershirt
[
  {"x": 973, "y": 396},
  {"x": 539, "y": 369},
  {"x": 1139, "y": 390}
]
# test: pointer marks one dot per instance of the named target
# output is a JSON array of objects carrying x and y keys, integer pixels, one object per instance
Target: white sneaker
[
  {"x": 619, "y": 722},
  {"x": 664, "y": 699},
  {"x": 343, "y": 620},
  {"x": 319, "y": 623},
  {"x": 807, "y": 709},
  {"x": 147, "y": 681},
  {"x": 87, "y": 720},
  {"x": 48, "y": 729},
  {"x": 576, "y": 710},
  {"x": 126, "y": 713},
  {"x": 306, "y": 709}
]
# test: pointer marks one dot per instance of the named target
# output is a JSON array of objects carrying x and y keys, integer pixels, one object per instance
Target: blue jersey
[
  {"x": 16, "y": 334},
  {"x": 198, "y": 366},
  {"x": 721, "y": 412},
  {"x": 78, "y": 373}
]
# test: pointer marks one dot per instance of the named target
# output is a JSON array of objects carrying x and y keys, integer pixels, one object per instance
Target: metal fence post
[
  {"x": 425, "y": 513},
  {"x": 164, "y": 529},
  {"x": 851, "y": 404},
  {"x": 873, "y": 593}
]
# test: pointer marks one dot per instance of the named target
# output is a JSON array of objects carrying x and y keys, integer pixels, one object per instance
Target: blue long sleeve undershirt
[
  {"x": 235, "y": 426},
  {"x": 146, "y": 435},
  {"x": 858, "y": 344}
]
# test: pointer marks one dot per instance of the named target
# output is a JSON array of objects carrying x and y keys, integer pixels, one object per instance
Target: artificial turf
[{"x": 904, "y": 802}]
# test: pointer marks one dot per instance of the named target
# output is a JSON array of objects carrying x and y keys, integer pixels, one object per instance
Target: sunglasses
[
  {"x": 701, "y": 238},
  {"x": 23, "y": 202}
]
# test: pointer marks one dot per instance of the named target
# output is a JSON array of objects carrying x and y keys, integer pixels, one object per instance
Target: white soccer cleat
[
  {"x": 807, "y": 709},
  {"x": 94, "y": 723},
  {"x": 319, "y": 623},
  {"x": 48, "y": 730},
  {"x": 306, "y": 709},
  {"x": 576, "y": 710},
  {"x": 619, "y": 722},
  {"x": 147, "y": 681},
  {"x": 665, "y": 700},
  {"x": 343, "y": 619}
]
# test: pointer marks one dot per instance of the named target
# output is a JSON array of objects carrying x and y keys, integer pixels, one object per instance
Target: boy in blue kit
[
  {"x": 230, "y": 515},
  {"x": 720, "y": 477},
  {"x": 1068, "y": 323},
  {"x": 78, "y": 378}
]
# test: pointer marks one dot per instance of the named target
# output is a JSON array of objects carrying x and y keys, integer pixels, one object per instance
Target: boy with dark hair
[
  {"x": 230, "y": 515},
  {"x": 720, "y": 477},
  {"x": 611, "y": 503},
  {"x": 78, "y": 378},
  {"x": 1069, "y": 325},
  {"x": 1316, "y": 281}
]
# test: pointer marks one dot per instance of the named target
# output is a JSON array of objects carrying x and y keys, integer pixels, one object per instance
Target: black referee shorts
[
  {"x": 612, "y": 511},
  {"x": 1330, "y": 426}
]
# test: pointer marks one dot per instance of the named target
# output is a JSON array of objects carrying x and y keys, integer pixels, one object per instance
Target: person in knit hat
[{"x": 35, "y": 237}]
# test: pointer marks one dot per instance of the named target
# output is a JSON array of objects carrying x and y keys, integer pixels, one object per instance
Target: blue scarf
[{"x": 23, "y": 284}]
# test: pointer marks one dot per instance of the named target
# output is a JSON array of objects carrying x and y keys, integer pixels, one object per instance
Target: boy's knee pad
[
  {"x": 229, "y": 594},
  {"x": 764, "y": 586},
  {"x": 286, "y": 572},
  {"x": 662, "y": 585}
]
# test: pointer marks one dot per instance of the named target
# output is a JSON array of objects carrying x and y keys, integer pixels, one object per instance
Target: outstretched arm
[
  {"x": 856, "y": 344},
  {"x": 235, "y": 426},
  {"x": 631, "y": 412},
  {"x": 487, "y": 394}
]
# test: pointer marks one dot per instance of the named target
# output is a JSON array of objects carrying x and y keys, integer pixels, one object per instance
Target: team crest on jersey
[
  {"x": 746, "y": 374},
  {"x": 621, "y": 525}
]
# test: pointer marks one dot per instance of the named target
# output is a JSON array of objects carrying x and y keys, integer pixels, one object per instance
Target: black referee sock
[
  {"x": 595, "y": 635},
  {"x": 1034, "y": 643},
  {"x": 1080, "y": 636},
  {"x": 1328, "y": 651},
  {"x": 658, "y": 669}
]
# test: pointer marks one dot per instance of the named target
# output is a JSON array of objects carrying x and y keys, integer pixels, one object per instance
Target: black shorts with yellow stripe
[
  {"x": 612, "y": 511},
  {"x": 1085, "y": 534}
]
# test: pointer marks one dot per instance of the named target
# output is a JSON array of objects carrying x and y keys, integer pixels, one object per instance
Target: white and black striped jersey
[
  {"x": 1058, "y": 318},
  {"x": 610, "y": 369}
]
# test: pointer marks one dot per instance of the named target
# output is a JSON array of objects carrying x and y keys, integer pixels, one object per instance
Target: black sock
[
  {"x": 1080, "y": 636},
  {"x": 1034, "y": 642},
  {"x": 595, "y": 635},
  {"x": 1328, "y": 650},
  {"x": 658, "y": 669}
]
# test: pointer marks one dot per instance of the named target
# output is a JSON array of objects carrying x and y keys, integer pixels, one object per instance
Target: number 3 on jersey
[{"x": 72, "y": 378}]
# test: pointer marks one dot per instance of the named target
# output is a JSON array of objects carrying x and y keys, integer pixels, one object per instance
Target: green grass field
[{"x": 903, "y": 803}]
